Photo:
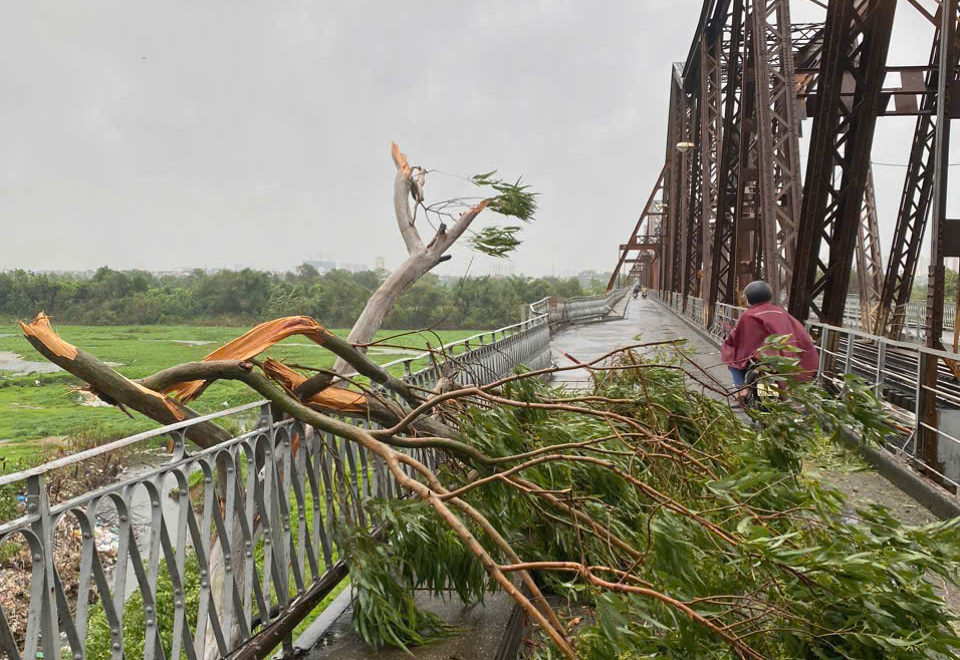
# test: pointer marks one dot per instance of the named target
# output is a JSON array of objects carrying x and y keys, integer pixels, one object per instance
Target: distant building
[
  {"x": 325, "y": 266},
  {"x": 502, "y": 269},
  {"x": 322, "y": 266}
]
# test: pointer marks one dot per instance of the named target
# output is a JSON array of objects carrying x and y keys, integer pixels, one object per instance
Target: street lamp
[{"x": 684, "y": 146}]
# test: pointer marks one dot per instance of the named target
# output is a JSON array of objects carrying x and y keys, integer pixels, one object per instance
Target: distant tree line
[{"x": 243, "y": 297}]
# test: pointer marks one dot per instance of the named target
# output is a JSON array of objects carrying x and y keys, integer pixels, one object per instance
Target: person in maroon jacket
[{"x": 762, "y": 320}]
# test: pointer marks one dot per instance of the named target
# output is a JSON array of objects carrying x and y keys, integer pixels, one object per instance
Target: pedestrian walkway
[{"x": 645, "y": 321}]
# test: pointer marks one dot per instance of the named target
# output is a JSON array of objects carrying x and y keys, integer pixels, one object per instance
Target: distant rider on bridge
[{"x": 762, "y": 320}]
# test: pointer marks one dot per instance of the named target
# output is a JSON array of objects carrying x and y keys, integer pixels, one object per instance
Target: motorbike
[{"x": 760, "y": 390}]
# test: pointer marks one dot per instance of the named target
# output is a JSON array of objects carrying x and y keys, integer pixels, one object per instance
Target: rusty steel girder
[
  {"x": 839, "y": 159},
  {"x": 736, "y": 206},
  {"x": 651, "y": 222},
  {"x": 678, "y": 172},
  {"x": 711, "y": 129},
  {"x": 778, "y": 140},
  {"x": 692, "y": 255},
  {"x": 869, "y": 258},
  {"x": 914, "y": 204},
  {"x": 723, "y": 266},
  {"x": 946, "y": 87}
]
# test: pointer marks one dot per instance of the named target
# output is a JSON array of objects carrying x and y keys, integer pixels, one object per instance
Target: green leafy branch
[
  {"x": 513, "y": 199},
  {"x": 496, "y": 242}
]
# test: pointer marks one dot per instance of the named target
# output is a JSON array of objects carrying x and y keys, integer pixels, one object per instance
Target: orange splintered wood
[
  {"x": 399, "y": 158},
  {"x": 250, "y": 344},
  {"x": 334, "y": 398},
  {"x": 42, "y": 331},
  {"x": 479, "y": 207}
]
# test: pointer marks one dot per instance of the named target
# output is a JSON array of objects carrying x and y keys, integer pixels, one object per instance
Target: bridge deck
[{"x": 646, "y": 321}]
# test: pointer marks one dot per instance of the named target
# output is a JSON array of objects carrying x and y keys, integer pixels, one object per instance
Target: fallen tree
[
  {"x": 163, "y": 397},
  {"x": 681, "y": 531}
]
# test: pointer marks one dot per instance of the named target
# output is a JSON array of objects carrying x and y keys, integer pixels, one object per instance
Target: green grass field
[{"x": 37, "y": 408}]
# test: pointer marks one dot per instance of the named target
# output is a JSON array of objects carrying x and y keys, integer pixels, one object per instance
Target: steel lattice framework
[{"x": 732, "y": 203}]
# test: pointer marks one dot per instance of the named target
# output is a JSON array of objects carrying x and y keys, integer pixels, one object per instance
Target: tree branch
[
  {"x": 401, "y": 205},
  {"x": 444, "y": 242},
  {"x": 115, "y": 389},
  {"x": 207, "y": 371},
  {"x": 391, "y": 457},
  {"x": 353, "y": 356}
]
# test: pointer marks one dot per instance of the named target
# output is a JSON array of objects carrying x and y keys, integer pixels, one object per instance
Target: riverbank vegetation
[
  {"x": 245, "y": 297},
  {"x": 41, "y": 409}
]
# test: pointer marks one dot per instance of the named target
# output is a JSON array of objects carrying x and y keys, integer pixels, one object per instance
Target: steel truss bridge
[{"x": 732, "y": 203}]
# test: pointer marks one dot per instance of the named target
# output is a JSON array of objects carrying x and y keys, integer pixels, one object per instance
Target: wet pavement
[
  {"x": 645, "y": 321},
  {"x": 483, "y": 631}
]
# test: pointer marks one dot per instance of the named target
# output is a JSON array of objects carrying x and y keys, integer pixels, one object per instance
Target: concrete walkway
[
  {"x": 645, "y": 321},
  {"x": 489, "y": 631}
]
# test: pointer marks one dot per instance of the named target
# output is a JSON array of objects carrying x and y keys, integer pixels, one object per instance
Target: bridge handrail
[
  {"x": 571, "y": 310},
  {"x": 891, "y": 370}
]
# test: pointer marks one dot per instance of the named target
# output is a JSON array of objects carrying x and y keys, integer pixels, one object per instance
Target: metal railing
[
  {"x": 926, "y": 420},
  {"x": 914, "y": 317},
  {"x": 484, "y": 358},
  {"x": 914, "y": 313},
  {"x": 282, "y": 488},
  {"x": 274, "y": 500},
  {"x": 577, "y": 310}
]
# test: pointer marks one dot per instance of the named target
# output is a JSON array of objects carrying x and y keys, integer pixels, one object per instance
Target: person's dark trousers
[{"x": 739, "y": 376}]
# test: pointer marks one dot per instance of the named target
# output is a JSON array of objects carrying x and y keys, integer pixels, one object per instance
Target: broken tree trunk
[{"x": 420, "y": 258}]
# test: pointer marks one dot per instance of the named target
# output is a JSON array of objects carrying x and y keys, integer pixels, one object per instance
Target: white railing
[
  {"x": 577, "y": 310},
  {"x": 927, "y": 416}
]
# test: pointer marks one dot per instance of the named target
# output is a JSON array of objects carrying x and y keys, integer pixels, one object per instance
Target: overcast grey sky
[{"x": 218, "y": 133}]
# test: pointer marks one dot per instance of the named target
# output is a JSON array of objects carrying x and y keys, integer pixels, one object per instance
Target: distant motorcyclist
[
  {"x": 643, "y": 292},
  {"x": 636, "y": 290},
  {"x": 764, "y": 319}
]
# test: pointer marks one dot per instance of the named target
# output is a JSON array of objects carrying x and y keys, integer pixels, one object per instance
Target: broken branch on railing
[{"x": 113, "y": 388}]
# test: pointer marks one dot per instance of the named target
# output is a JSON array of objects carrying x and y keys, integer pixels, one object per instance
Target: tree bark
[
  {"x": 115, "y": 389},
  {"x": 420, "y": 258}
]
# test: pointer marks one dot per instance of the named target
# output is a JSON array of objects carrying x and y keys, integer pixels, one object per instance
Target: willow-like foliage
[{"x": 675, "y": 528}]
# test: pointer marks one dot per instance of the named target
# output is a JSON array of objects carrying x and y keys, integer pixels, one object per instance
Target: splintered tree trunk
[
  {"x": 163, "y": 396},
  {"x": 420, "y": 260},
  {"x": 383, "y": 300}
]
